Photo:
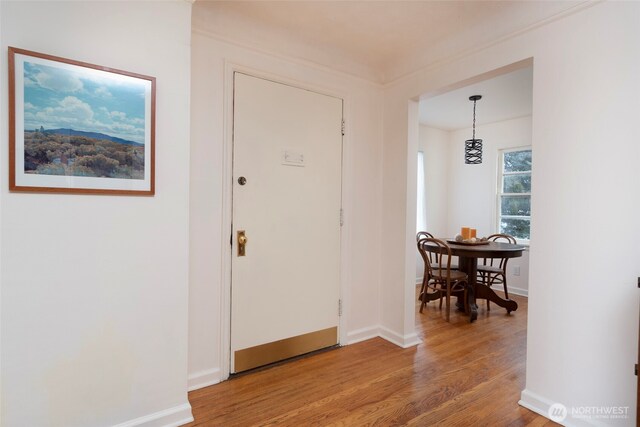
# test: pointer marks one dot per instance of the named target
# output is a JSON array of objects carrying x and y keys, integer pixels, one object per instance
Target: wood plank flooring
[{"x": 461, "y": 375}]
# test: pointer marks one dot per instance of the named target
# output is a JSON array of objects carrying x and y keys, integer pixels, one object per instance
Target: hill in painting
[
  {"x": 94, "y": 135},
  {"x": 76, "y": 153}
]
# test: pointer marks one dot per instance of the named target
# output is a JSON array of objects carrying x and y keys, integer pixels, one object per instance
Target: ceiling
[
  {"x": 376, "y": 40},
  {"x": 503, "y": 97}
]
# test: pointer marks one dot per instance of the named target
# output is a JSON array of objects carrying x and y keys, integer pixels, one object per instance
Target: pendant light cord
[{"x": 474, "y": 120}]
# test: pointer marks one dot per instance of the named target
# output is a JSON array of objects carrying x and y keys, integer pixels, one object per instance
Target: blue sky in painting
[{"x": 83, "y": 99}]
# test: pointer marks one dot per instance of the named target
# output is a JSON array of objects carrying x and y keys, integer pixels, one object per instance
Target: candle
[
  {"x": 466, "y": 233},
  {"x": 472, "y": 233}
]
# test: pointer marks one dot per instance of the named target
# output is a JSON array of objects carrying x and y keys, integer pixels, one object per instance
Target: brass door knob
[{"x": 242, "y": 241}]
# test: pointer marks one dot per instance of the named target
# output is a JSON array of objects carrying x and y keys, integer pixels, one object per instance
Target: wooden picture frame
[{"x": 76, "y": 127}]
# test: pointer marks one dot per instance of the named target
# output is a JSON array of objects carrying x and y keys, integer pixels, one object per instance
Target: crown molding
[
  {"x": 467, "y": 52},
  {"x": 382, "y": 84},
  {"x": 283, "y": 57}
]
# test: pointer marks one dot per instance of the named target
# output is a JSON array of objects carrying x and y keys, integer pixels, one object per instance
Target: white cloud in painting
[
  {"x": 74, "y": 113},
  {"x": 29, "y": 82},
  {"x": 58, "y": 80},
  {"x": 121, "y": 127},
  {"x": 84, "y": 100},
  {"x": 118, "y": 115},
  {"x": 123, "y": 123},
  {"x": 102, "y": 92},
  {"x": 70, "y": 110}
]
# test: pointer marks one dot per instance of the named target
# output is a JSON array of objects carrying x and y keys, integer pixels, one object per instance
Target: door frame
[{"x": 226, "y": 206}]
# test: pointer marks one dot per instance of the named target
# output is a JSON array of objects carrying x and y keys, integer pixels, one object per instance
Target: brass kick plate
[
  {"x": 264, "y": 354},
  {"x": 242, "y": 242}
]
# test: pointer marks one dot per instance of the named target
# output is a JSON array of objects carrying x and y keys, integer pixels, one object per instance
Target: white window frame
[{"x": 501, "y": 174}]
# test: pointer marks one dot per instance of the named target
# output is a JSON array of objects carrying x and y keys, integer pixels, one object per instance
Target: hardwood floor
[{"x": 461, "y": 375}]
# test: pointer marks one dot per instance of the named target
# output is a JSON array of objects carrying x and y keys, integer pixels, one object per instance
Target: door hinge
[
  {"x": 342, "y": 128},
  {"x": 636, "y": 369},
  {"x": 339, "y": 307},
  {"x": 341, "y": 217}
]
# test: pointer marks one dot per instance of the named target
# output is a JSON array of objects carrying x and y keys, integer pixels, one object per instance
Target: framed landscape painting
[{"x": 79, "y": 128}]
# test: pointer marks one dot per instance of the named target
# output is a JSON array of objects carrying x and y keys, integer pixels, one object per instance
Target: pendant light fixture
[{"x": 473, "y": 146}]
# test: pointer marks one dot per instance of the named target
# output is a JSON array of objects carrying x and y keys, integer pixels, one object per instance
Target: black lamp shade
[{"x": 473, "y": 151}]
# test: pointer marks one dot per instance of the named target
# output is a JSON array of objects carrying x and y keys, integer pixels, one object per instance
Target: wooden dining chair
[
  {"x": 430, "y": 258},
  {"x": 493, "y": 271},
  {"x": 433, "y": 258},
  {"x": 426, "y": 259},
  {"x": 440, "y": 277}
]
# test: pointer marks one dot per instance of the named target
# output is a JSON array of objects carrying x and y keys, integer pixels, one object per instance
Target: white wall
[
  {"x": 435, "y": 145},
  {"x": 213, "y": 60},
  {"x": 94, "y": 288},
  {"x": 583, "y": 311}
]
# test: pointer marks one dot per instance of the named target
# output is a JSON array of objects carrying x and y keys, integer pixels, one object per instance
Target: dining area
[
  {"x": 481, "y": 265},
  {"x": 474, "y": 166}
]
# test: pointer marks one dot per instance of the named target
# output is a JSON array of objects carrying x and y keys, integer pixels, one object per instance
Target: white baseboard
[
  {"x": 540, "y": 405},
  {"x": 404, "y": 341},
  {"x": 384, "y": 333},
  {"x": 203, "y": 379},
  {"x": 519, "y": 291},
  {"x": 536, "y": 403},
  {"x": 172, "y": 417},
  {"x": 362, "y": 334}
]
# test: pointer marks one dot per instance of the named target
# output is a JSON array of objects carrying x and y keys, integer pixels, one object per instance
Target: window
[
  {"x": 514, "y": 193},
  {"x": 421, "y": 216}
]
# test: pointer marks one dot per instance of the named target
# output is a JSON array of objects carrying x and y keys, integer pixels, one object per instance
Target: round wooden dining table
[{"x": 468, "y": 255}]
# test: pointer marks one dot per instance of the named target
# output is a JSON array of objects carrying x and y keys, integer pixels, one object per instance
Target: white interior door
[{"x": 287, "y": 163}]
